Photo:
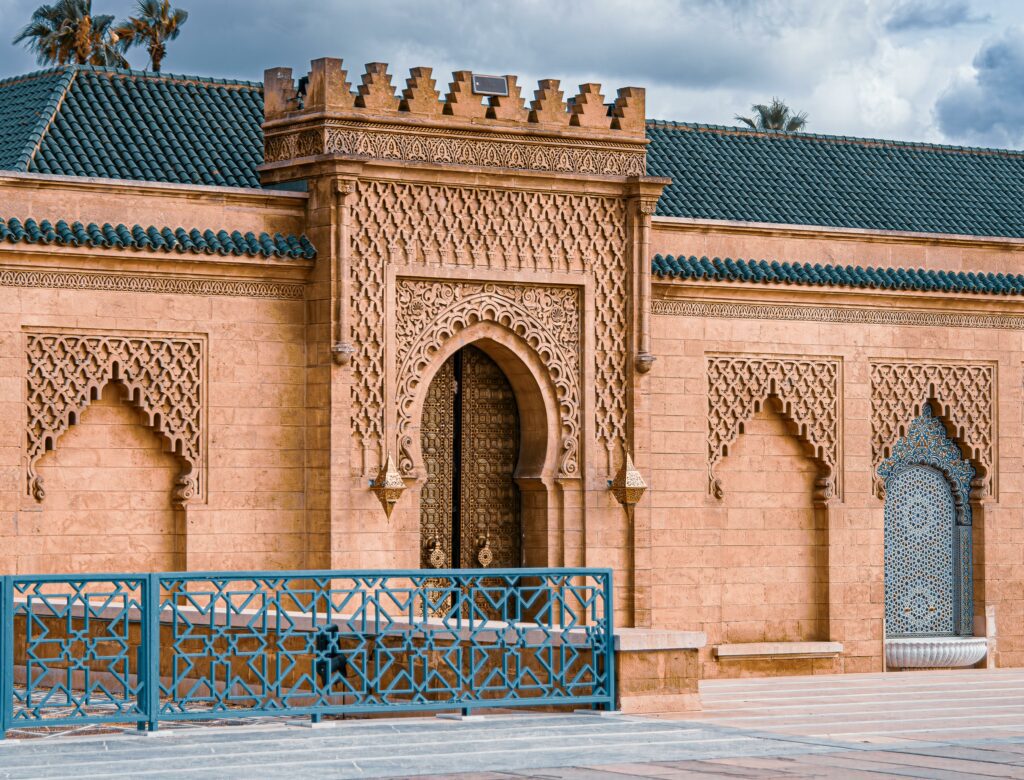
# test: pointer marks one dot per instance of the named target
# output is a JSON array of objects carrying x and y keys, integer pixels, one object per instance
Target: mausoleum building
[{"x": 773, "y": 381}]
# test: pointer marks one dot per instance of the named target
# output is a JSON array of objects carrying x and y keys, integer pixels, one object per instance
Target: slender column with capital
[{"x": 341, "y": 349}]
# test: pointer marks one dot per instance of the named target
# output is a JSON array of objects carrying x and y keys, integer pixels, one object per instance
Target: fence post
[
  {"x": 6, "y": 654},
  {"x": 609, "y": 612},
  {"x": 151, "y": 651}
]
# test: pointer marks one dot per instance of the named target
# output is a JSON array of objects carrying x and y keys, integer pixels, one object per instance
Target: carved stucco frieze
[
  {"x": 459, "y": 148},
  {"x": 546, "y": 317},
  {"x": 163, "y": 378},
  {"x": 964, "y": 396},
  {"x": 174, "y": 285},
  {"x": 838, "y": 314},
  {"x": 808, "y": 389},
  {"x": 425, "y": 226}
]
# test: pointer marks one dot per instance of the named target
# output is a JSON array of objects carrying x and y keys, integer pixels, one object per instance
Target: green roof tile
[
  {"x": 89, "y": 121},
  {"x": 730, "y": 173},
  {"x": 82, "y": 120},
  {"x": 774, "y": 272},
  {"x": 29, "y": 103},
  {"x": 178, "y": 240}
]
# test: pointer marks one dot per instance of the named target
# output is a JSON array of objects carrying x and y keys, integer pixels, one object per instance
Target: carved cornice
[
  {"x": 838, "y": 314},
  {"x": 177, "y": 285},
  {"x": 458, "y": 147}
]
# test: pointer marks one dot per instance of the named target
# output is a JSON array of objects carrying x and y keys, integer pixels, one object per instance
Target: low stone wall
[{"x": 657, "y": 671}]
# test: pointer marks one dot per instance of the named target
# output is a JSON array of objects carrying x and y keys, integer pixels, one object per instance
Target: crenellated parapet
[{"x": 475, "y": 123}]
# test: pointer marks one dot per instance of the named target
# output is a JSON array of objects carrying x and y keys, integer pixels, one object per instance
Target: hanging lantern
[
  {"x": 388, "y": 485},
  {"x": 628, "y": 487}
]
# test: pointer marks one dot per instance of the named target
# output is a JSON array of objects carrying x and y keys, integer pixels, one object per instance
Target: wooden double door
[{"x": 469, "y": 506}]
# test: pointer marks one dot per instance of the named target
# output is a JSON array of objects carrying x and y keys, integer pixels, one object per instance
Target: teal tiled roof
[
  {"x": 179, "y": 240},
  {"x": 920, "y": 279},
  {"x": 81, "y": 120},
  {"x": 124, "y": 124},
  {"x": 728, "y": 173},
  {"x": 28, "y": 104}
]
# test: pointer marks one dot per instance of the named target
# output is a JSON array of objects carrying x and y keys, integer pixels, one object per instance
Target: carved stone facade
[
  {"x": 546, "y": 318},
  {"x": 716, "y": 444},
  {"x": 422, "y": 228},
  {"x": 133, "y": 283},
  {"x": 808, "y": 390},
  {"x": 457, "y": 148},
  {"x": 964, "y": 395},
  {"x": 163, "y": 377}
]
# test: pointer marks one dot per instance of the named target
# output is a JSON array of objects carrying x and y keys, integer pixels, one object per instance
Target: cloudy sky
[{"x": 936, "y": 70}]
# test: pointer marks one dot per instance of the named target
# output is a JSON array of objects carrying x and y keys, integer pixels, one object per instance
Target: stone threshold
[{"x": 748, "y": 650}]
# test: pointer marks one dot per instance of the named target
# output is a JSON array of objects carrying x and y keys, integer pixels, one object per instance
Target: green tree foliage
[
  {"x": 67, "y": 32},
  {"x": 154, "y": 23},
  {"x": 775, "y": 116}
]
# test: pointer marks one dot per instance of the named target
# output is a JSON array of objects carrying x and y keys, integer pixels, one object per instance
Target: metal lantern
[
  {"x": 388, "y": 485},
  {"x": 628, "y": 487}
]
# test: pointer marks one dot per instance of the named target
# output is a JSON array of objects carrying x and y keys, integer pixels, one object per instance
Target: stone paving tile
[
  {"x": 508, "y": 746},
  {"x": 784, "y": 766},
  {"x": 991, "y": 752},
  {"x": 717, "y": 768},
  {"x": 862, "y": 739},
  {"x": 864, "y": 763},
  {"x": 959, "y": 766}
]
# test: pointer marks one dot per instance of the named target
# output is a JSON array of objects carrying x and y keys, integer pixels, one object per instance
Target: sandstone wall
[
  {"x": 760, "y": 531},
  {"x": 109, "y": 482}
]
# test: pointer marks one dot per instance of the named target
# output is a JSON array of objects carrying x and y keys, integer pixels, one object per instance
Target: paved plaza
[{"x": 925, "y": 724}]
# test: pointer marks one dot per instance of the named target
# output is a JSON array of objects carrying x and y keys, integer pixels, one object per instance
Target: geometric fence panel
[{"x": 171, "y": 647}]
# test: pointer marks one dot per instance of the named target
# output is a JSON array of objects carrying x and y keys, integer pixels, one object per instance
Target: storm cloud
[
  {"x": 988, "y": 107},
  {"x": 914, "y": 15},
  {"x": 858, "y": 67}
]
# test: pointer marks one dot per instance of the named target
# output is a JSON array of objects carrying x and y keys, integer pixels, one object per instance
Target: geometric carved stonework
[
  {"x": 546, "y": 317},
  {"x": 964, "y": 395},
  {"x": 163, "y": 377},
  {"x": 809, "y": 392},
  {"x": 460, "y": 147},
  {"x": 421, "y": 227}
]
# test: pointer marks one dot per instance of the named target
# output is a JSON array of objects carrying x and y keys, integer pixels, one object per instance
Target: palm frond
[{"x": 775, "y": 115}]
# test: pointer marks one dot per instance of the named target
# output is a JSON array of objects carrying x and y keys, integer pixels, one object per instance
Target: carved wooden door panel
[
  {"x": 920, "y": 528},
  {"x": 490, "y": 533},
  {"x": 469, "y": 506},
  {"x": 437, "y": 442}
]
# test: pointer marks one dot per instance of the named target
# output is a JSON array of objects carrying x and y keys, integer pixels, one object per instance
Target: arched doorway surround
[
  {"x": 469, "y": 435},
  {"x": 539, "y": 433},
  {"x": 928, "y": 546}
]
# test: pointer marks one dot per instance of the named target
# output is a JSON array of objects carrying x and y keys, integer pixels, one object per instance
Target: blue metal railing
[{"x": 145, "y": 648}]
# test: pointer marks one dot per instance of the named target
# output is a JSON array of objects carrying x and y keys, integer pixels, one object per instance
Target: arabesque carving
[
  {"x": 964, "y": 396},
  {"x": 174, "y": 285},
  {"x": 429, "y": 313},
  {"x": 841, "y": 314},
  {"x": 429, "y": 225},
  {"x": 459, "y": 147},
  {"x": 163, "y": 377},
  {"x": 809, "y": 390}
]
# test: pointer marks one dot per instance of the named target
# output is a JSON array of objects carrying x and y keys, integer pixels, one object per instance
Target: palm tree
[
  {"x": 776, "y": 116},
  {"x": 155, "y": 24},
  {"x": 67, "y": 32}
]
